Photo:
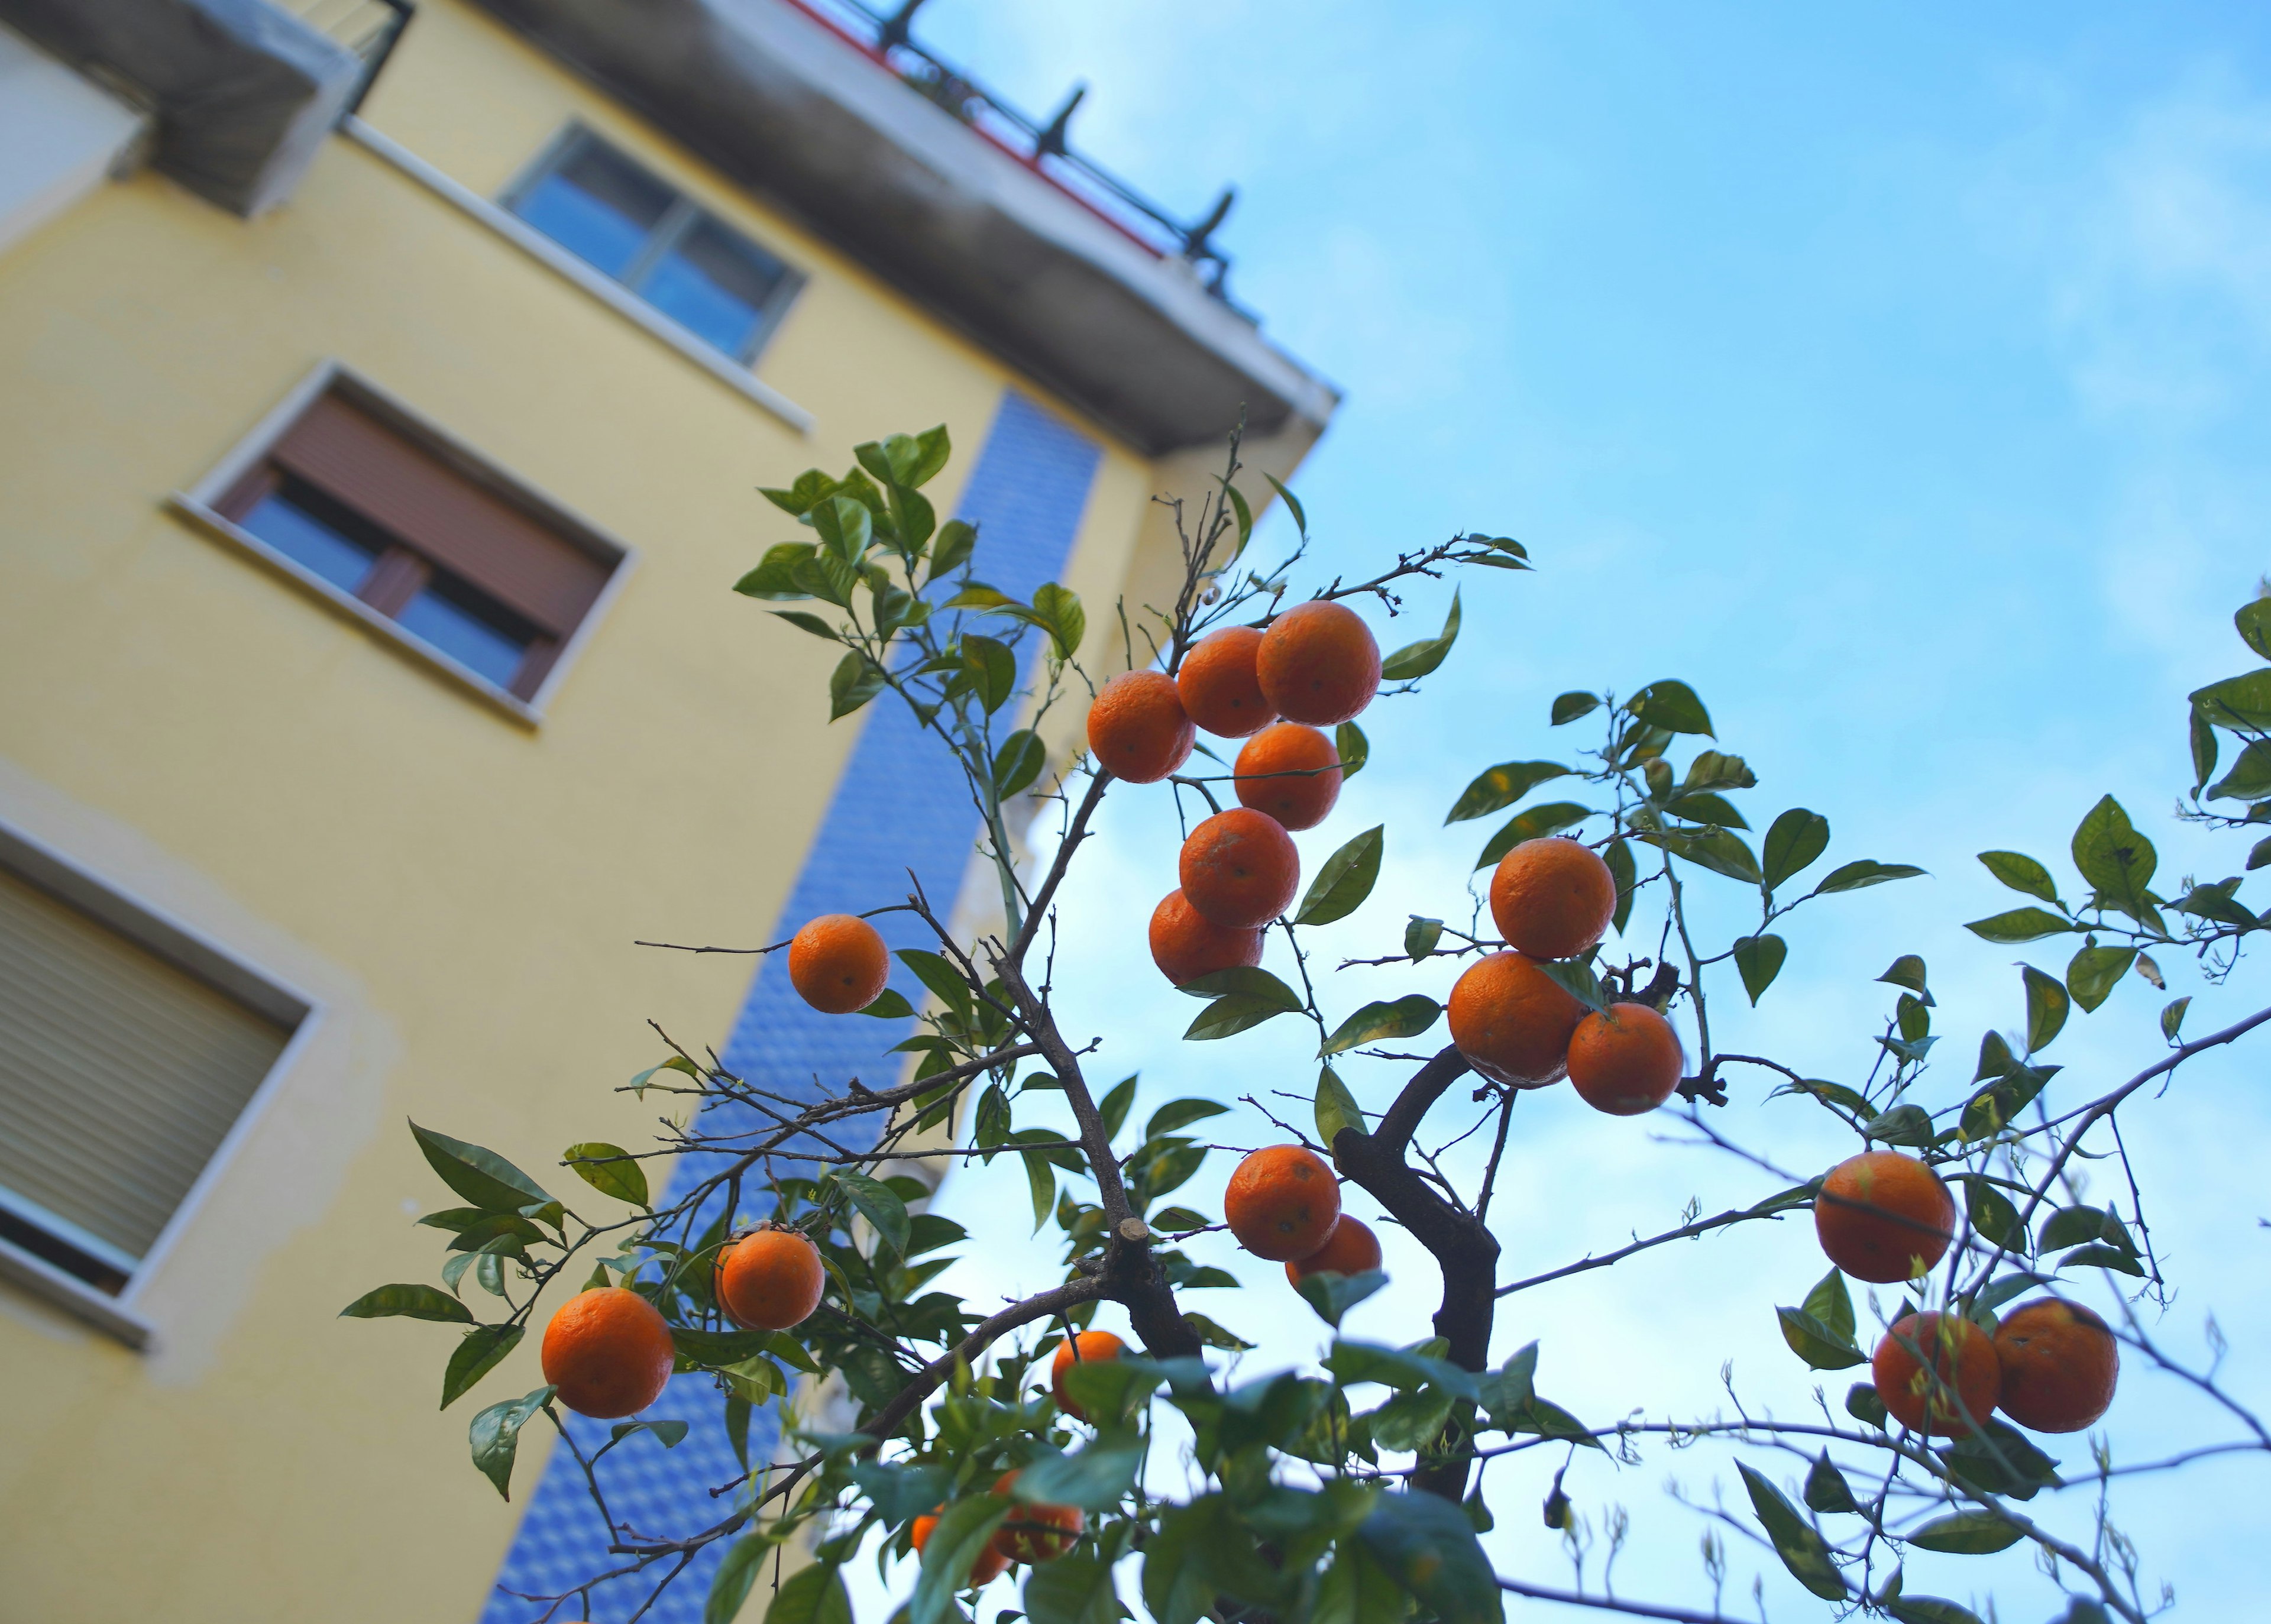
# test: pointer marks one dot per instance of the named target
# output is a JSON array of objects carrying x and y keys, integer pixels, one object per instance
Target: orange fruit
[
  {"x": 1318, "y": 663},
  {"x": 839, "y": 964},
  {"x": 1086, "y": 1348},
  {"x": 1553, "y": 898},
  {"x": 1283, "y": 1202},
  {"x": 1512, "y": 1022},
  {"x": 1036, "y": 1533},
  {"x": 1239, "y": 869},
  {"x": 1960, "y": 1389},
  {"x": 2060, "y": 1362},
  {"x": 1221, "y": 690},
  {"x": 1625, "y": 1059},
  {"x": 1185, "y": 947},
  {"x": 769, "y": 1279},
  {"x": 1137, "y": 729},
  {"x": 608, "y": 1352},
  {"x": 1351, "y": 1249},
  {"x": 1883, "y": 1217},
  {"x": 1291, "y": 773},
  {"x": 986, "y": 1569}
]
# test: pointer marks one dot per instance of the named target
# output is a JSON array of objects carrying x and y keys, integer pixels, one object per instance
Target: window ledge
[
  {"x": 73, "y": 1296},
  {"x": 354, "y": 608},
  {"x": 539, "y": 247}
]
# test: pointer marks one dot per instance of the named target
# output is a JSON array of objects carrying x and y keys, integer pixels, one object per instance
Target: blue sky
[{"x": 1896, "y": 375}]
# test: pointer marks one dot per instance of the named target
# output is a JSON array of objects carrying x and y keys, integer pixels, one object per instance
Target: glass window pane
[
  {"x": 715, "y": 282},
  {"x": 597, "y": 204},
  {"x": 469, "y": 627},
  {"x": 305, "y": 539}
]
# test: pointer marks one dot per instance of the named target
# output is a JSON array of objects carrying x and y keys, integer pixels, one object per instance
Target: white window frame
[
  {"x": 184, "y": 946},
  {"x": 196, "y": 504}
]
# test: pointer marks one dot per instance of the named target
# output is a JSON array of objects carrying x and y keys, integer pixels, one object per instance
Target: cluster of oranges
[
  {"x": 2050, "y": 1365},
  {"x": 1316, "y": 666}
]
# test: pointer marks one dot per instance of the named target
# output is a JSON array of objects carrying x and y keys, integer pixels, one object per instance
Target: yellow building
[{"x": 382, "y": 412}]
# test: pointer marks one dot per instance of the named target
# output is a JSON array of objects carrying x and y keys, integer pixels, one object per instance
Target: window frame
[
  {"x": 684, "y": 213},
  {"x": 189, "y": 949},
  {"x": 202, "y": 504}
]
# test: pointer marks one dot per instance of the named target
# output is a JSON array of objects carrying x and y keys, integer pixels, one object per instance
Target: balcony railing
[
  {"x": 366, "y": 27},
  {"x": 1041, "y": 144}
]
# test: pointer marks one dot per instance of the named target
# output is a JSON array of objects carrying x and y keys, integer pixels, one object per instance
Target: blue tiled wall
[{"x": 901, "y": 805}]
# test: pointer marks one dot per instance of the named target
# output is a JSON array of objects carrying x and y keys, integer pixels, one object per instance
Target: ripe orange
[
  {"x": 1553, "y": 898},
  {"x": 2060, "y": 1362},
  {"x": 839, "y": 964},
  {"x": 1220, "y": 689},
  {"x": 1283, "y": 1202},
  {"x": 1291, "y": 773},
  {"x": 1624, "y": 1061},
  {"x": 1185, "y": 947},
  {"x": 1512, "y": 1022},
  {"x": 1036, "y": 1533},
  {"x": 1086, "y": 1348},
  {"x": 986, "y": 1569},
  {"x": 1318, "y": 663},
  {"x": 769, "y": 1279},
  {"x": 1960, "y": 1389},
  {"x": 1884, "y": 1216},
  {"x": 1239, "y": 869},
  {"x": 1137, "y": 729},
  {"x": 608, "y": 1352},
  {"x": 1351, "y": 1249}
]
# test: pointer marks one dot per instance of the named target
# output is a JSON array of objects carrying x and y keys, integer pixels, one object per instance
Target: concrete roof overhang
[{"x": 782, "y": 103}]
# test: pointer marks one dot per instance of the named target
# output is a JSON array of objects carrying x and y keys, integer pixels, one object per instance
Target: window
[
  {"x": 367, "y": 504},
  {"x": 618, "y": 217},
  {"x": 129, "y": 1052}
]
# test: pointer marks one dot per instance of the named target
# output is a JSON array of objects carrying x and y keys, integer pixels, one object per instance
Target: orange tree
[{"x": 1346, "y": 1490}]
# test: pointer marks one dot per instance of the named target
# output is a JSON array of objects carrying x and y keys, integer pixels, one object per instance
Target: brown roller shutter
[
  {"x": 120, "y": 1074},
  {"x": 465, "y": 528}
]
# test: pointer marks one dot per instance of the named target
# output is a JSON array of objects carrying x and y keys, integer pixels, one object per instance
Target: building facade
[{"x": 384, "y": 407}]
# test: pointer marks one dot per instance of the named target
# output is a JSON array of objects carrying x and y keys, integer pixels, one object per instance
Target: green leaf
[
  {"x": 1093, "y": 1479},
  {"x": 2253, "y": 621},
  {"x": 608, "y": 1169},
  {"x": 1420, "y": 937},
  {"x": 1335, "y": 1107},
  {"x": 1758, "y": 959},
  {"x": 1231, "y": 1013},
  {"x": 1907, "y": 971},
  {"x": 1238, "y": 505},
  {"x": 2047, "y": 1005},
  {"x": 1863, "y": 1404},
  {"x": 1996, "y": 1106},
  {"x": 1113, "y": 1107},
  {"x": 1355, "y": 749},
  {"x": 2115, "y": 859},
  {"x": 812, "y": 623},
  {"x": 1852, "y": 876},
  {"x": 1403, "y": 1017},
  {"x": 775, "y": 578},
  {"x": 495, "y": 1436},
  {"x": 846, "y": 528},
  {"x": 2102, "y": 1257},
  {"x": 1293, "y": 505},
  {"x": 1826, "y": 1489},
  {"x": 1908, "y": 1124},
  {"x": 1832, "y": 1306},
  {"x": 1500, "y": 787},
  {"x": 1549, "y": 819},
  {"x": 482, "y": 1176},
  {"x": 956, "y": 540},
  {"x": 478, "y": 1353},
  {"x": 1179, "y": 1114},
  {"x": 1428, "y": 1546},
  {"x": 2204, "y": 749},
  {"x": 1357, "y": 1589},
  {"x": 1929, "y": 1610},
  {"x": 2172, "y": 1017},
  {"x": 1018, "y": 762},
  {"x": 1418, "y": 659},
  {"x": 1793, "y": 841},
  {"x": 670, "y": 1434},
  {"x": 814, "y": 1594},
  {"x": 1332, "y": 1295},
  {"x": 1802, "y": 1550},
  {"x": 1618, "y": 855},
  {"x": 855, "y": 681},
  {"x": 1041, "y": 1183},
  {"x": 2023, "y": 872},
  {"x": 417, "y": 1302},
  {"x": 1057, "y": 611},
  {"x": 878, "y": 1203},
  {"x": 2236, "y": 703},
  {"x": 963, "y": 1530},
  {"x": 1720, "y": 850},
  {"x": 890, "y": 1004},
  {"x": 1993, "y": 1216},
  {"x": 1576, "y": 977},
  {"x": 1672, "y": 705},
  {"x": 2019, "y": 925},
  {"x": 1703, "y": 807},
  {"x": 1568, "y": 707},
  {"x": 811, "y": 488},
  {"x": 1215, "y": 1335},
  {"x": 2093, "y": 971},
  {"x": 1410, "y": 1421},
  {"x": 1345, "y": 880},
  {"x": 1076, "y": 1589},
  {"x": 944, "y": 981},
  {"x": 1967, "y": 1533},
  {"x": 992, "y": 669},
  {"x": 1815, "y": 1343}
]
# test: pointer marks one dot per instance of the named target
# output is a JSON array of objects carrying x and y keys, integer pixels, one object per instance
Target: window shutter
[{"x": 120, "y": 1074}]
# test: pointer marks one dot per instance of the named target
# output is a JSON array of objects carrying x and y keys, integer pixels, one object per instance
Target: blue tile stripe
[{"x": 901, "y": 805}]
